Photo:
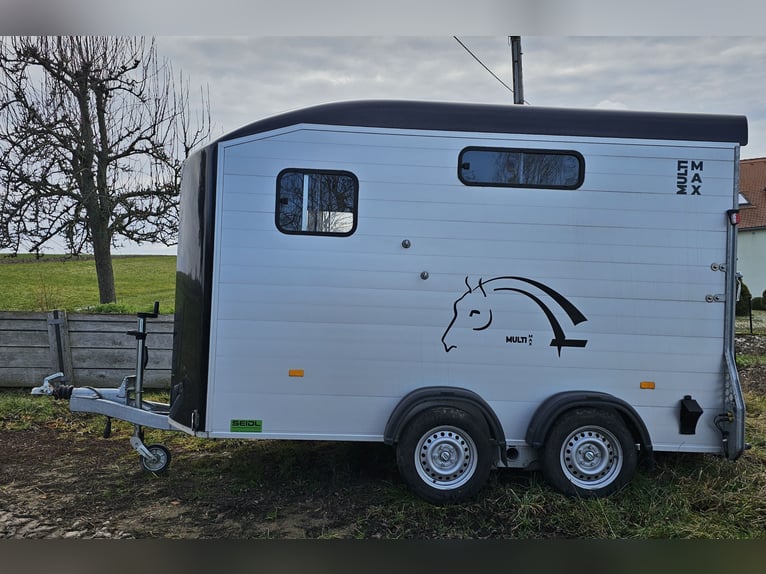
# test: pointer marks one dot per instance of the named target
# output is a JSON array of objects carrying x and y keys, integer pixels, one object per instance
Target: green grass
[
  {"x": 18, "y": 412},
  {"x": 750, "y": 360},
  {"x": 54, "y": 282},
  {"x": 686, "y": 496},
  {"x": 758, "y": 325}
]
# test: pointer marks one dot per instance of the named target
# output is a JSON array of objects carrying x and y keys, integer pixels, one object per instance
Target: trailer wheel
[
  {"x": 589, "y": 453},
  {"x": 444, "y": 455},
  {"x": 161, "y": 462}
]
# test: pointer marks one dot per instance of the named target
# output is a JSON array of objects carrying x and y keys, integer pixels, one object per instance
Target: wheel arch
[
  {"x": 556, "y": 405},
  {"x": 425, "y": 398}
]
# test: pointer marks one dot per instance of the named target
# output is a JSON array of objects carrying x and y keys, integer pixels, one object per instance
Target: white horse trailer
[{"x": 479, "y": 286}]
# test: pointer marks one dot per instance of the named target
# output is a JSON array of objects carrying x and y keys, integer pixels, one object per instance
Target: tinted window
[
  {"x": 317, "y": 202},
  {"x": 521, "y": 168}
]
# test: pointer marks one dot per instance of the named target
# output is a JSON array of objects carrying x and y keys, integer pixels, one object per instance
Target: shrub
[{"x": 743, "y": 305}]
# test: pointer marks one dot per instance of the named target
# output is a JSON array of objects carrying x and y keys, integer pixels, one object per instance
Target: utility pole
[{"x": 518, "y": 88}]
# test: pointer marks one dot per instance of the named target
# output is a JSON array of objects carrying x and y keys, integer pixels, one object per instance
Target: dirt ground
[
  {"x": 52, "y": 488},
  {"x": 58, "y": 484},
  {"x": 55, "y": 483},
  {"x": 753, "y": 379}
]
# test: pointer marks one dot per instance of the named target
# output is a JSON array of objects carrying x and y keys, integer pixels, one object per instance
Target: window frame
[
  {"x": 304, "y": 172},
  {"x": 530, "y": 151}
]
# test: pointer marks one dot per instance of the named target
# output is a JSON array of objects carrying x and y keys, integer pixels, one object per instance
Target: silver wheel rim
[
  {"x": 445, "y": 458},
  {"x": 161, "y": 459},
  {"x": 591, "y": 457}
]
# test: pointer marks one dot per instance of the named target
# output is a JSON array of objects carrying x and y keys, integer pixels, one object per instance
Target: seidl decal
[{"x": 474, "y": 309}]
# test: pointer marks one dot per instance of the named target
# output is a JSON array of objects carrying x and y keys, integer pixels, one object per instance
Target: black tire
[
  {"x": 162, "y": 463},
  {"x": 445, "y": 455},
  {"x": 589, "y": 453}
]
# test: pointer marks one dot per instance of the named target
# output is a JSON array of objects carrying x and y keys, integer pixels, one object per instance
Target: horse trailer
[{"x": 479, "y": 286}]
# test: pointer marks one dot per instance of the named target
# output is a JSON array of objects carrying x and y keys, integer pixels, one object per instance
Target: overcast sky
[
  {"x": 292, "y": 54},
  {"x": 253, "y": 77}
]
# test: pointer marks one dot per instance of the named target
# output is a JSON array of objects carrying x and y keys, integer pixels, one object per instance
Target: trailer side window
[
  {"x": 316, "y": 202},
  {"x": 501, "y": 167}
]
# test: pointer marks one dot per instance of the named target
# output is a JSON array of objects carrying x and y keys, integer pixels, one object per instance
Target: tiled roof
[{"x": 752, "y": 185}]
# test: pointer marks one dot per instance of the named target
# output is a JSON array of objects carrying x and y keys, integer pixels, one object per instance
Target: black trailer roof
[{"x": 449, "y": 116}]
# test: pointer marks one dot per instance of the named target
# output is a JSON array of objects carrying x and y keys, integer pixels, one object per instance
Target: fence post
[{"x": 58, "y": 341}]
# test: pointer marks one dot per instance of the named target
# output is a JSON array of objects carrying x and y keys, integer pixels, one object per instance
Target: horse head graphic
[{"x": 474, "y": 308}]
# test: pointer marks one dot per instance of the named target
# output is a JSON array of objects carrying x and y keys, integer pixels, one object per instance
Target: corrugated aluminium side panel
[
  {"x": 405, "y": 141},
  {"x": 355, "y": 317},
  {"x": 634, "y": 163}
]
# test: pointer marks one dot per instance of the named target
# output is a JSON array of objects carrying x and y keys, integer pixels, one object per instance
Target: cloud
[
  {"x": 254, "y": 77},
  {"x": 610, "y": 105}
]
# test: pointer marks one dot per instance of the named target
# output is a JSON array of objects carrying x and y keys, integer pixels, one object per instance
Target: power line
[{"x": 482, "y": 64}]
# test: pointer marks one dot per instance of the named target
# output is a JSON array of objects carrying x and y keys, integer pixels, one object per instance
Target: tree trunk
[
  {"x": 104, "y": 272},
  {"x": 102, "y": 238},
  {"x": 94, "y": 194},
  {"x": 98, "y": 224}
]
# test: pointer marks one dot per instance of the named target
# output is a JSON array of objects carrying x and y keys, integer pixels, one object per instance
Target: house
[{"x": 751, "y": 247}]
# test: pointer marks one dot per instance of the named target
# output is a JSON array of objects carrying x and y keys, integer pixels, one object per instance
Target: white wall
[{"x": 751, "y": 259}]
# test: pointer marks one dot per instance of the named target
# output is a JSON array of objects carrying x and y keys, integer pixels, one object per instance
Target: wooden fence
[{"x": 92, "y": 350}]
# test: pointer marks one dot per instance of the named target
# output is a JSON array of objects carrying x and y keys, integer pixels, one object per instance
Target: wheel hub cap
[
  {"x": 591, "y": 457},
  {"x": 445, "y": 457}
]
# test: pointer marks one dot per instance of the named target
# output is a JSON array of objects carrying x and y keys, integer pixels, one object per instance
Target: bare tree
[{"x": 93, "y": 132}]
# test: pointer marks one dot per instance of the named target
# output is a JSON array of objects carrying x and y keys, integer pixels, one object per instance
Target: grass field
[
  {"x": 286, "y": 489},
  {"x": 55, "y": 282}
]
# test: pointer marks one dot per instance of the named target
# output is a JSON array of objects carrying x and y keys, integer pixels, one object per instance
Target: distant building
[{"x": 751, "y": 247}]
